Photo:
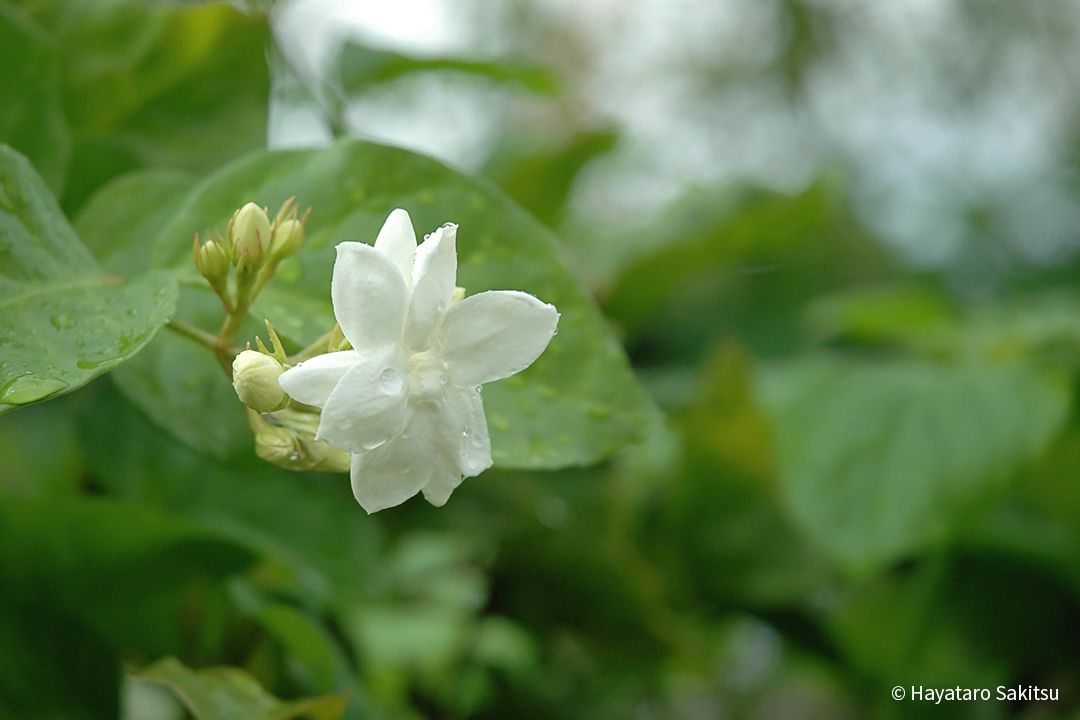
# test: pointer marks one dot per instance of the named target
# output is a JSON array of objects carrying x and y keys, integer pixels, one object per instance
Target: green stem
[
  {"x": 193, "y": 333},
  {"x": 223, "y": 343}
]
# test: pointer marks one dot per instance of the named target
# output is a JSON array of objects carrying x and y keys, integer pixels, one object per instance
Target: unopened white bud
[
  {"x": 255, "y": 379},
  {"x": 250, "y": 228}
]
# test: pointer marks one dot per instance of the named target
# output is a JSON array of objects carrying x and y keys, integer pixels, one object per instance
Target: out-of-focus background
[{"x": 839, "y": 241}]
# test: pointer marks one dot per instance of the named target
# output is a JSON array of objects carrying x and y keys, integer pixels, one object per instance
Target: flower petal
[
  {"x": 495, "y": 334},
  {"x": 434, "y": 276},
  {"x": 369, "y": 405},
  {"x": 380, "y": 479},
  {"x": 392, "y": 473},
  {"x": 312, "y": 381},
  {"x": 440, "y": 487},
  {"x": 466, "y": 429},
  {"x": 370, "y": 296},
  {"x": 397, "y": 240},
  {"x": 465, "y": 436}
]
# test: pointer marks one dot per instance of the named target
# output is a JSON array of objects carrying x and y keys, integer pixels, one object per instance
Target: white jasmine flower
[{"x": 405, "y": 401}]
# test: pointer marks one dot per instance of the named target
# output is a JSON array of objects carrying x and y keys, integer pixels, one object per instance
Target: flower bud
[
  {"x": 287, "y": 439},
  {"x": 250, "y": 232},
  {"x": 255, "y": 379},
  {"x": 212, "y": 262},
  {"x": 287, "y": 238},
  {"x": 320, "y": 455},
  {"x": 277, "y": 445}
]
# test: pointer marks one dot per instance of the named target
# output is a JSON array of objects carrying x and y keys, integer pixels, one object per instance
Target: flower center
[{"x": 427, "y": 375}]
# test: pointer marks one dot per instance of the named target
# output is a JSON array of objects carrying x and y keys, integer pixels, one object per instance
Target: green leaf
[
  {"x": 889, "y": 314},
  {"x": 226, "y": 693},
  {"x": 63, "y": 321},
  {"x": 180, "y": 385},
  {"x": 52, "y": 667},
  {"x": 363, "y": 68},
  {"x": 120, "y": 222},
  {"x": 879, "y": 459},
  {"x": 31, "y": 118},
  {"x": 315, "y": 658},
  {"x": 576, "y": 405}
]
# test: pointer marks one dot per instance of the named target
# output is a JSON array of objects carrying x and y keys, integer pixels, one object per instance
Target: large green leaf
[
  {"x": 120, "y": 222},
  {"x": 577, "y": 404},
  {"x": 31, "y": 119},
  {"x": 226, "y": 693},
  {"x": 878, "y": 459},
  {"x": 181, "y": 386},
  {"x": 63, "y": 321}
]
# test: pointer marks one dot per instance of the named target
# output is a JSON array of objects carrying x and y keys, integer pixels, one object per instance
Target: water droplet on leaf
[
  {"x": 62, "y": 321},
  {"x": 29, "y": 388}
]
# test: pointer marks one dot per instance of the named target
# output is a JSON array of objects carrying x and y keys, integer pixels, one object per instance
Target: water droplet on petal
[{"x": 391, "y": 382}]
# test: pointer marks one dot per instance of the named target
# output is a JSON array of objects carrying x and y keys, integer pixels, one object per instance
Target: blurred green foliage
[{"x": 864, "y": 476}]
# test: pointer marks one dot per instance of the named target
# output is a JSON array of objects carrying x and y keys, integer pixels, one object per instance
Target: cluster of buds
[
  {"x": 254, "y": 246},
  {"x": 284, "y": 431},
  {"x": 287, "y": 439},
  {"x": 237, "y": 265}
]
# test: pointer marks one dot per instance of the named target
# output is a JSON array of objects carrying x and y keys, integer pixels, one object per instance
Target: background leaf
[
  {"x": 31, "y": 117},
  {"x": 225, "y": 693},
  {"x": 63, "y": 321},
  {"x": 362, "y": 68},
  {"x": 878, "y": 459},
  {"x": 148, "y": 84},
  {"x": 122, "y": 219}
]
